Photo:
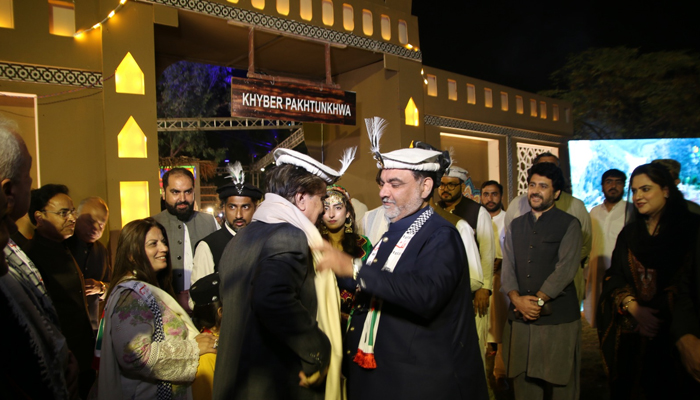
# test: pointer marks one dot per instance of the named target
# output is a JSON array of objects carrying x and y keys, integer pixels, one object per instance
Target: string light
[{"x": 99, "y": 24}]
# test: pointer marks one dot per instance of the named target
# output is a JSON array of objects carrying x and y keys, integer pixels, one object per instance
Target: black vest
[
  {"x": 468, "y": 210},
  {"x": 536, "y": 253},
  {"x": 217, "y": 242}
]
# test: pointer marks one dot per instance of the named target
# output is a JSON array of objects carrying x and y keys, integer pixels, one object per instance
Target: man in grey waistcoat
[
  {"x": 541, "y": 255},
  {"x": 184, "y": 226}
]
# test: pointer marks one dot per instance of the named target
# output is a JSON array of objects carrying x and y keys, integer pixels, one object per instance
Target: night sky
[{"x": 519, "y": 44}]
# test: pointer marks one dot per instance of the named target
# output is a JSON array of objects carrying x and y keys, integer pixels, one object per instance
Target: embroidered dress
[
  {"x": 347, "y": 286},
  {"x": 140, "y": 361}
]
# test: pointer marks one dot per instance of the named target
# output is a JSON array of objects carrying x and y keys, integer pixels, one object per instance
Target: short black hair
[
  {"x": 613, "y": 173},
  {"x": 177, "y": 171},
  {"x": 418, "y": 175},
  {"x": 542, "y": 155},
  {"x": 489, "y": 183},
  {"x": 548, "y": 170},
  {"x": 287, "y": 180},
  {"x": 42, "y": 196}
]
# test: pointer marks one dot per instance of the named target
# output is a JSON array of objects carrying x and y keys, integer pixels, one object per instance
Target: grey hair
[
  {"x": 10, "y": 149},
  {"x": 94, "y": 199}
]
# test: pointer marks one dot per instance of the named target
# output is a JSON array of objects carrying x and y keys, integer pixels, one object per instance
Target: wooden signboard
[{"x": 290, "y": 101}]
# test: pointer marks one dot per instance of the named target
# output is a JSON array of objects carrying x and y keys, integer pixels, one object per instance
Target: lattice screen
[{"x": 526, "y": 153}]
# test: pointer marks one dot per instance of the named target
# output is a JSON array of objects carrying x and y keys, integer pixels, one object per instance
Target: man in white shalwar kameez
[{"x": 607, "y": 220}]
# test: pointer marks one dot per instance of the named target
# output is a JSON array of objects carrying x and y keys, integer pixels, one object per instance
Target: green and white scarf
[{"x": 365, "y": 352}]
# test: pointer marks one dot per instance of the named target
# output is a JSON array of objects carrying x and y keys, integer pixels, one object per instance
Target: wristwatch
[
  {"x": 356, "y": 267},
  {"x": 540, "y": 302}
]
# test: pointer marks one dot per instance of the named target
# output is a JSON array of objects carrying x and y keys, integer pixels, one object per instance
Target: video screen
[{"x": 590, "y": 158}]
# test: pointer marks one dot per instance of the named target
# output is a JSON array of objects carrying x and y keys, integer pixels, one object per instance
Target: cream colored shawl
[{"x": 276, "y": 209}]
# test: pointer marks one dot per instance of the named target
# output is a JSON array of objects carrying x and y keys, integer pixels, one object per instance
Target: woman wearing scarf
[
  {"x": 637, "y": 309},
  {"x": 149, "y": 348},
  {"x": 280, "y": 334}
]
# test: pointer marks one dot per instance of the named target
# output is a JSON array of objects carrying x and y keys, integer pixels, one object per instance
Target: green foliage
[
  {"x": 191, "y": 90},
  {"x": 622, "y": 93}
]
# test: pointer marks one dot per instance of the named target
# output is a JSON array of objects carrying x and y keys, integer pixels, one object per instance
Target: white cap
[
  {"x": 328, "y": 174},
  {"x": 413, "y": 159},
  {"x": 457, "y": 172},
  {"x": 416, "y": 159}
]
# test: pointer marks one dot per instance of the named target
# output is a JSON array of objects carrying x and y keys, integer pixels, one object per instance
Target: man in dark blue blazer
[{"x": 412, "y": 333}]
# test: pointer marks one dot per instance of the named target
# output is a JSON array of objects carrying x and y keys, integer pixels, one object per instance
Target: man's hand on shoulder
[{"x": 337, "y": 261}]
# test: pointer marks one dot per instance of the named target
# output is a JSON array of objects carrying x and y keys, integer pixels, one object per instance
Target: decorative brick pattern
[
  {"x": 289, "y": 26},
  {"x": 433, "y": 120},
  {"x": 50, "y": 75},
  {"x": 525, "y": 151}
]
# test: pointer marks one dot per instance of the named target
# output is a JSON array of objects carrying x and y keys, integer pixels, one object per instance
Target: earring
[
  {"x": 134, "y": 272},
  {"x": 348, "y": 225},
  {"x": 324, "y": 229}
]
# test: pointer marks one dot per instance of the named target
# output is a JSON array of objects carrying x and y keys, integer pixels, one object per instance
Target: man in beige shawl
[{"x": 280, "y": 333}]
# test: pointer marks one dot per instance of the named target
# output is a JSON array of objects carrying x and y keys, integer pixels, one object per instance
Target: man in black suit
[
  {"x": 275, "y": 342},
  {"x": 52, "y": 211},
  {"x": 412, "y": 333}
]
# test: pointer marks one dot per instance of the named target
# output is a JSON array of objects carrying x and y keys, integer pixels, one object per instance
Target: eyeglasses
[
  {"x": 450, "y": 186},
  {"x": 64, "y": 212}
]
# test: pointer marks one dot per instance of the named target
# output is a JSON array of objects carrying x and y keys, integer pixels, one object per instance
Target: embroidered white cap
[
  {"x": 328, "y": 174},
  {"x": 416, "y": 159},
  {"x": 413, "y": 159},
  {"x": 457, "y": 172}
]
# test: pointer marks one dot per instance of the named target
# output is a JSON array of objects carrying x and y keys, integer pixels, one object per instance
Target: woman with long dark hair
[
  {"x": 149, "y": 347},
  {"x": 636, "y": 309},
  {"x": 338, "y": 227}
]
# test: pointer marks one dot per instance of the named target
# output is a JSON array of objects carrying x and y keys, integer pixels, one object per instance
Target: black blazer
[
  {"x": 66, "y": 287},
  {"x": 269, "y": 331}
]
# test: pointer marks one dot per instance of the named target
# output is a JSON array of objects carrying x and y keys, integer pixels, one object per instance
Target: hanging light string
[{"x": 99, "y": 24}]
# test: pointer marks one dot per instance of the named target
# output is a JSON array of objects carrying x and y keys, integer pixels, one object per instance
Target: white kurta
[
  {"x": 606, "y": 226},
  {"x": 204, "y": 260},
  {"x": 498, "y": 311}
]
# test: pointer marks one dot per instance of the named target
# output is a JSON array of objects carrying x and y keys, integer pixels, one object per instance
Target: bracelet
[{"x": 626, "y": 305}]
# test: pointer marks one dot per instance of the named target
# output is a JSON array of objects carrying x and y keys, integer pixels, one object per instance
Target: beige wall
[
  {"x": 380, "y": 92},
  {"x": 395, "y": 9},
  {"x": 441, "y": 105},
  {"x": 133, "y": 33},
  {"x": 71, "y": 144},
  {"x": 22, "y": 111},
  {"x": 30, "y": 42}
]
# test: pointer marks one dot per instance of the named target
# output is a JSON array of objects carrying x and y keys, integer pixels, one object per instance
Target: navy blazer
[{"x": 426, "y": 345}]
